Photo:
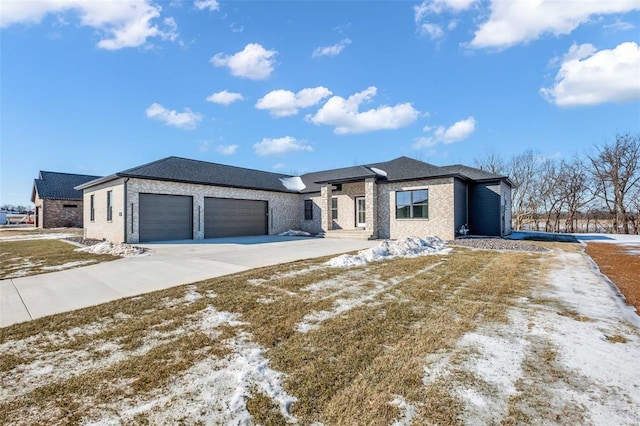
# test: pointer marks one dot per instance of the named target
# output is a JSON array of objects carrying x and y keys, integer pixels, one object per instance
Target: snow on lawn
[
  {"x": 106, "y": 247},
  {"x": 582, "y": 347},
  {"x": 388, "y": 249},
  {"x": 37, "y": 237}
]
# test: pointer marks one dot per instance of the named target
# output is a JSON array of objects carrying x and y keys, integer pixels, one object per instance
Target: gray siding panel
[
  {"x": 225, "y": 217},
  {"x": 460, "y": 204},
  {"x": 484, "y": 209},
  {"x": 165, "y": 217}
]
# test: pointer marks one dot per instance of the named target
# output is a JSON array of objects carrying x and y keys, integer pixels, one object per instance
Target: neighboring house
[
  {"x": 57, "y": 203},
  {"x": 177, "y": 198}
]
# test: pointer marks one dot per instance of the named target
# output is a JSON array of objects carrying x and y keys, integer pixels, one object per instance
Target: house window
[
  {"x": 92, "y": 209},
  {"x": 412, "y": 204},
  {"x": 308, "y": 209},
  {"x": 109, "y": 205},
  {"x": 334, "y": 208}
]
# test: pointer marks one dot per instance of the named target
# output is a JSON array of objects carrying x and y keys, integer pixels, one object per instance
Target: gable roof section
[
  {"x": 313, "y": 181},
  {"x": 405, "y": 168},
  {"x": 472, "y": 173},
  {"x": 59, "y": 186},
  {"x": 177, "y": 169}
]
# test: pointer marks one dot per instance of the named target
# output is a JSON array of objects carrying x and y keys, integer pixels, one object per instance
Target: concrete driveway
[{"x": 170, "y": 264}]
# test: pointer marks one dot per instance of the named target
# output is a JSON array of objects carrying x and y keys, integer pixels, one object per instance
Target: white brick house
[{"x": 176, "y": 198}]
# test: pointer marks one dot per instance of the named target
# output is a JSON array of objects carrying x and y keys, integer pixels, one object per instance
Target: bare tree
[
  {"x": 491, "y": 162},
  {"x": 615, "y": 170},
  {"x": 575, "y": 189},
  {"x": 523, "y": 169}
]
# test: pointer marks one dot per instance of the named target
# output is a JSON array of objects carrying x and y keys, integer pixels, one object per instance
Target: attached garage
[
  {"x": 226, "y": 217},
  {"x": 165, "y": 217}
]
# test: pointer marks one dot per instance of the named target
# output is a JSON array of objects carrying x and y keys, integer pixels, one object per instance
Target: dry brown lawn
[
  {"x": 31, "y": 257},
  {"x": 353, "y": 346},
  {"x": 621, "y": 263}
]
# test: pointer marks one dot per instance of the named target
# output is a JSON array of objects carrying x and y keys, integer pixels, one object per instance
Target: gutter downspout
[{"x": 124, "y": 219}]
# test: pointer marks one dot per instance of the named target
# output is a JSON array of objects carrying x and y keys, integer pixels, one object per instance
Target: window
[
  {"x": 92, "y": 209},
  {"x": 334, "y": 208},
  {"x": 109, "y": 205},
  {"x": 412, "y": 204},
  {"x": 308, "y": 209},
  {"x": 69, "y": 206}
]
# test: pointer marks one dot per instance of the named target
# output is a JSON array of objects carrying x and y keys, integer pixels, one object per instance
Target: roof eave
[
  {"x": 284, "y": 190},
  {"x": 97, "y": 181}
]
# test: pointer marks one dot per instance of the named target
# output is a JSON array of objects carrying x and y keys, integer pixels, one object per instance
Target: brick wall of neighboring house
[
  {"x": 61, "y": 214},
  {"x": 286, "y": 210},
  {"x": 38, "y": 202},
  {"x": 441, "y": 210}
]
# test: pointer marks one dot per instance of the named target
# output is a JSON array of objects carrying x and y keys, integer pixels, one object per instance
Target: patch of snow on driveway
[
  {"x": 294, "y": 233},
  {"x": 388, "y": 249},
  {"x": 106, "y": 247}
]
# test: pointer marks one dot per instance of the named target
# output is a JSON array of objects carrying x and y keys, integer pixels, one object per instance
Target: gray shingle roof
[
  {"x": 178, "y": 169},
  {"x": 59, "y": 186},
  {"x": 194, "y": 171}
]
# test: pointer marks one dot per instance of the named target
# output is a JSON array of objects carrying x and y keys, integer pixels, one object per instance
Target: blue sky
[{"x": 94, "y": 88}]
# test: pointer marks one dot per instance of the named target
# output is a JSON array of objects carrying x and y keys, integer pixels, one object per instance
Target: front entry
[{"x": 361, "y": 212}]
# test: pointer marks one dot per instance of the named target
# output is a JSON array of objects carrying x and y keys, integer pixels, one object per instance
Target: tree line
[{"x": 593, "y": 192}]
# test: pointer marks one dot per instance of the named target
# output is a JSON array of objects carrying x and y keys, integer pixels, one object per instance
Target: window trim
[
  {"x": 308, "y": 209},
  {"x": 92, "y": 208},
  {"x": 109, "y": 206},
  {"x": 334, "y": 209},
  {"x": 411, "y": 204}
]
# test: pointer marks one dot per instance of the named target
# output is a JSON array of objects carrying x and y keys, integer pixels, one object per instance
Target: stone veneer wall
[
  {"x": 100, "y": 228},
  {"x": 347, "y": 204},
  {"x": 314, "y": 225},
  {"x": 441, "y": 213},
  {"x": 286, "y": 211}
]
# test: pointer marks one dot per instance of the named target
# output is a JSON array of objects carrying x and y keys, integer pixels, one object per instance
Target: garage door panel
[
  {"x": 165, "y": 217},
  {"x": 224, "y": 217}
]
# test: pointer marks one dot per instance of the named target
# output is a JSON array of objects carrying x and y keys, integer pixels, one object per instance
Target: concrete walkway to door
[{"x": 170, "y": 264}]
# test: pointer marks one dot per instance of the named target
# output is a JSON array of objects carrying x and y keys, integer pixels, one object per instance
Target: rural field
[{"x": 462, "y": 336}]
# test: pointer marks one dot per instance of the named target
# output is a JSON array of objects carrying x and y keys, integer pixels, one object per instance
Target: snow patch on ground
[
  {"x": 408, "y": 411},
  {"x": 37, "y": 237},
  {"x": 388, "y": 249},
  {"x": 121, "y": 249},
  {"x": 294, "y": 233}
]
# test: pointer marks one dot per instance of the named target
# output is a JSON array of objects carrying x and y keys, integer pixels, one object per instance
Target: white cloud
[
  {"x": 459, "y": 131},
  {"x": 590, "y": 77},
  {"x": 331, "y": 50},
  {"x": 226, "y": 149},
  {"x": 427, "y": 8},
  {"x": 253, "y": 62},
  {"x": 513, "y": 22},
  {"x": 211, "y": 5},
  {"x": 344, "y": 115},
  {"x": 269, "y": 146},
  {"x": 120, "y": 23},
  {"x": 225, "y": 97},
  {"x": 186, "y": 120},
  {"x": 282, "y": 103}
]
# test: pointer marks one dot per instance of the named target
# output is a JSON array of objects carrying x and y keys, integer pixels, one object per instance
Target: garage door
[
  {"x": 165, "y": 217},
  {"x": 224, "y": 217}
]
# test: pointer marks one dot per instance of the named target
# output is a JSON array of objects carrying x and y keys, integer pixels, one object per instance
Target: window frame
[
  {"x": 334, "y": 208},
  {"x": 92, "y": 208},
  {"x": 109, "y": 206},
  {"x": 412, "y": 204},
  {"x": 308, "y": 209}
]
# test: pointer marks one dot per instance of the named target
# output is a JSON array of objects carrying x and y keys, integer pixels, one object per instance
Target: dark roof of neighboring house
[
  {"x": 178, "y": 169},
  {"x": 59, "y": 186}
]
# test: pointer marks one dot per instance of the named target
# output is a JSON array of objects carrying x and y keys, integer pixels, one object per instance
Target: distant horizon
[{"x": 293, "y": 87}]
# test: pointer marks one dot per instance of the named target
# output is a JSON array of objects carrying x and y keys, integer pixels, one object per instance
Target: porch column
[
  {"x": 325, "y": 207},
  {"x": 371, "y": 206}
]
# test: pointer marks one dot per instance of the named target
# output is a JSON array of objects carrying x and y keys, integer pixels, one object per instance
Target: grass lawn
[
  {"x": 389, "y": 341},
  {"x": 31, "y": 257}
]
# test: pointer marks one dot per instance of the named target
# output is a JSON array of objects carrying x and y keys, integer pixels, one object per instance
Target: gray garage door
[
  {"x": 224, "y": 217},
  {"x": 165, "y": 217}
]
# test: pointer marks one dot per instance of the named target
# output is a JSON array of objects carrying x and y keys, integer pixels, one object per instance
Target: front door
[{"x": 361, "y": 215}]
